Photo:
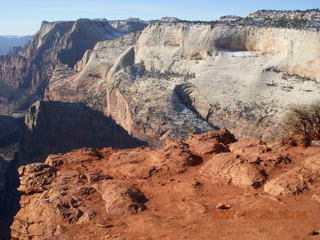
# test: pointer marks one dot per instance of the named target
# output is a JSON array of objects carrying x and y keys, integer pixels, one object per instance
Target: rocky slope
[
  {"x": 209, "y": 186},
  {"x": 216, "y": 75},
  {"x": 25, "y": 75}
]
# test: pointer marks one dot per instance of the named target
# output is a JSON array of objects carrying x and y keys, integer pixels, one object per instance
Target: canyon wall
[
  {"x": 244, "y": 75},
  {"x": 25, "y": 75},
  {"x": 57, "y": 127},
  {"x": 239, "y": 77},
  {"x": 162, "y": 44},
  {"x": 248, "y": 74}
]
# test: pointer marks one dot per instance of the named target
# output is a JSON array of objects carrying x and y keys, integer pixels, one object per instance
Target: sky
[{"x": 23, "y": 17}]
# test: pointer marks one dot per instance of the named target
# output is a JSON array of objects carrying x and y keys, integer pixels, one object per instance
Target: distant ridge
[{"x": 8, "y": 41}]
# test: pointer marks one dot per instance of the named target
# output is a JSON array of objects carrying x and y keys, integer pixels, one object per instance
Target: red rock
[
  {"x": 144, "y": 192},
  {"x": 293, "y": 182},
  {"x": 228, "y": 168},
  {"x": 36, "y": 177},
  {"x": 211, "y": 142},
  {"x": 121, "y": 199}
]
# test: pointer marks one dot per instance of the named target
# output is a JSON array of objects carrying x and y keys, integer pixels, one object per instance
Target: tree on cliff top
[{"x": 304, "y": 120}]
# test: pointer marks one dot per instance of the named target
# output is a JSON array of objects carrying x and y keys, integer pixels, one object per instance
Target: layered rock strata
[
  {"x": 25, "y": 75},
  {"x": 239, "y": 77}
]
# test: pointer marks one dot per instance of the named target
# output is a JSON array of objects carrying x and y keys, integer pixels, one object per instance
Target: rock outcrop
[
  {"x": 36, "y": 178},
  {"x": 146, "y": 192},
  {"x": 129, "y": 25},
  {"x": 228, "y": 168},
  {"x": 295, "y": 181}
]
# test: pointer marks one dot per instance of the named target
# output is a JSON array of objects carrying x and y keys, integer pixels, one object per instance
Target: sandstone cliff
[
  {"x": 25, "y": 75},
  {"x": 86, "y": 81},
  {"x": 221, "y": 75}
]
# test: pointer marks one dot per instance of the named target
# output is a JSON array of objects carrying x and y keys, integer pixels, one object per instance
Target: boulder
[
  {"x": 229, "y": 168},
  {"x": 293, "y": 182},
  {"x": 122, "y": 198},
  {"x": 211, "y": 142}
]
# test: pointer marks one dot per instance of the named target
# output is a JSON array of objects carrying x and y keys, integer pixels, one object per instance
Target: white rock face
[
  {"x": 239, "y": 77},
  {"x": 249, "y": 75},
  {"x": 300, "y": 48}
]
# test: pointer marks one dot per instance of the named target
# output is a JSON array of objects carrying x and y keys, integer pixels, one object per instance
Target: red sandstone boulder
[
  {"x": 228, "y": 168},
  {"x": 293, "y": 182},
  {"x": 211, "y": 142}
]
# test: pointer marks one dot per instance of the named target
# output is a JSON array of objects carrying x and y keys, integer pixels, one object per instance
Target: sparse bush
[
  {"x": 282, "y": 22},
  {"x": 304, "y": 120}
]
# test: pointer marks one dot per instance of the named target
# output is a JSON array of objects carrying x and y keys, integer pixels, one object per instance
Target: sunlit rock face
[
  {"x": 239, "y": 77},
  {"x": 25, "y": 74},
  {"x": 172, "y": 79}
]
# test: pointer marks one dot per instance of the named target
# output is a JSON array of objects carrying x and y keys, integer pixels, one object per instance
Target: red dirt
[{"x": 181, "y": 203}]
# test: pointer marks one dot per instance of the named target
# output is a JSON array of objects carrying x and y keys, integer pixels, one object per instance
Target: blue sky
[{"x": 21, "y": 17}]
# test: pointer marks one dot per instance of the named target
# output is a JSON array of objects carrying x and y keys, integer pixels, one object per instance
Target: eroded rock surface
[
  {"x": 228, "y": 168},
  {"x": 295, "y": 181},
  {"x": 137, "y": 193},
  {"x": 36, "y": 177},
  {"x": 25, "y": 75},
  {"x": 177, "y": 71}
]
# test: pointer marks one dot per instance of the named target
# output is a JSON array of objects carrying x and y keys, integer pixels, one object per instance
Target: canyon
[
  {"x": 242, "y": 78},
  {"x": 111, "y": 124}
]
